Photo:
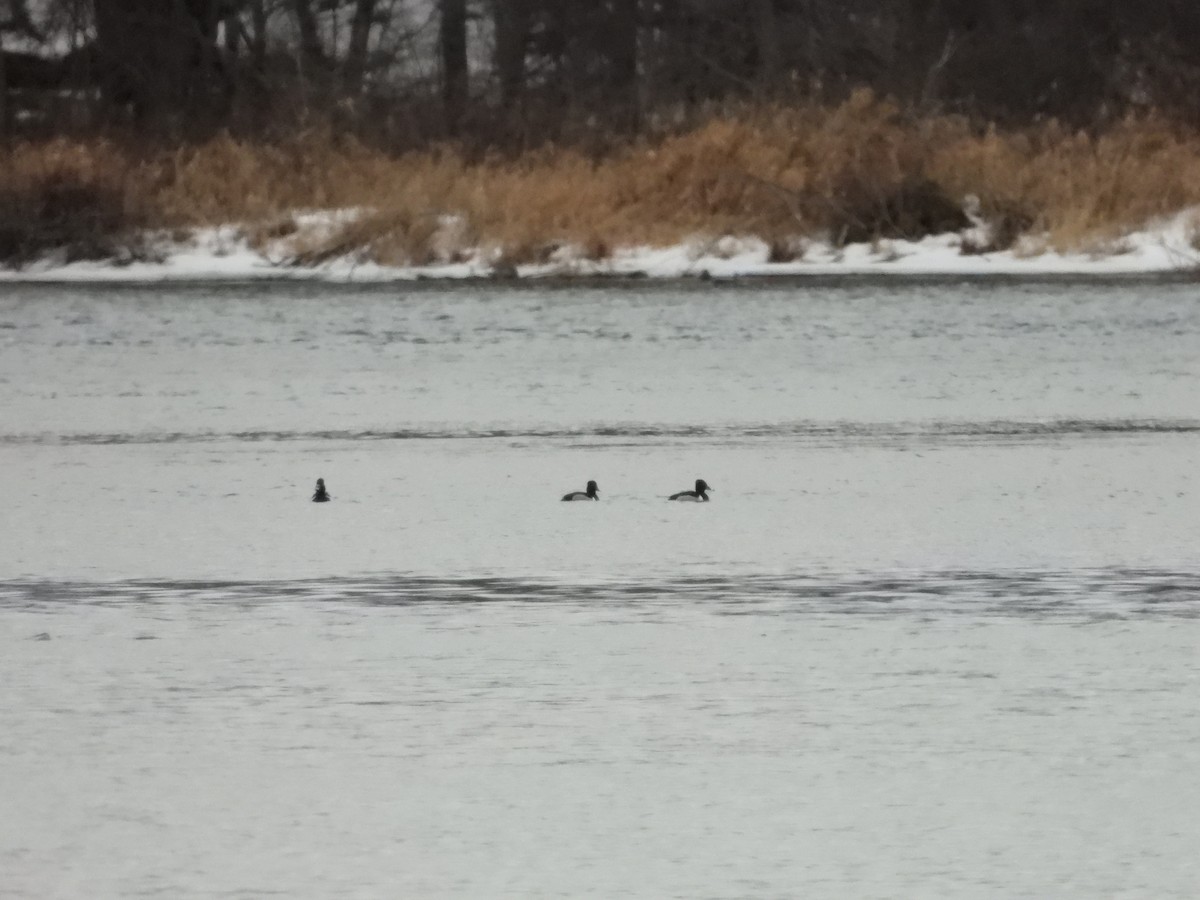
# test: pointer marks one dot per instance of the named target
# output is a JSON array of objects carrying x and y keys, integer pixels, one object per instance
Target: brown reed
[{"x": 863, "y": 170}]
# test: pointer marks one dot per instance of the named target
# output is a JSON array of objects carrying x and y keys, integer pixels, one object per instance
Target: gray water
[{"x": 934, "y": 635}]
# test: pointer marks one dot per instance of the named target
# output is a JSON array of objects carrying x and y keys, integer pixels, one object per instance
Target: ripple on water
[{"x": 1073, "y": 594}]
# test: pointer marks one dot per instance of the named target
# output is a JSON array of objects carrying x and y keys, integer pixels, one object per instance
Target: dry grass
[
  {"x": 862, "y": 171},
  {"x": 75, "y": 199}
]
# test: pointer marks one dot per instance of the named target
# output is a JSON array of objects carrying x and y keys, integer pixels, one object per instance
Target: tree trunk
[
  {"x": 233, "y": 33},
  {"x": 668, "y": 70},
  {"x": 453, "y": 41},
  {"x": 3, "y": 97},
  {"x": 766, "y": 33},
  {"x": 312, "y": 52},
  {"x": 159, "y": 57},
  {"x": 623, "y": 64},
  {"x": 360, "y": 38},
  {"x": 922, "y": 36},
  {"x": 207, "y": 79},
  {"x": 258, "y": 46},
  {"x": 512, "y": 23}
]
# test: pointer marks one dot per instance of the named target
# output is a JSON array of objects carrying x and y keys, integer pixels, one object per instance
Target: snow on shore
[{"x": 225, "y": 253}]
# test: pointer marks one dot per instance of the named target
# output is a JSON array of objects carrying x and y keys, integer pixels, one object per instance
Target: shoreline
[
  {"x": 750, "y": 281},
  {"x": 239, "y": 252},
  {"x": 226, "y": 254},
  {"x": 858, "y": 189}
]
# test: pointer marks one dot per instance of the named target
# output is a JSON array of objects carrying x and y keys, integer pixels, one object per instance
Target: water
[{"x": 935, "y": 635}]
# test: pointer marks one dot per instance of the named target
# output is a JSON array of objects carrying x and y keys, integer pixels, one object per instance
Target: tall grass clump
[
  {"x": 859, "y": 171},
  {"x": 81, "y": 201}
]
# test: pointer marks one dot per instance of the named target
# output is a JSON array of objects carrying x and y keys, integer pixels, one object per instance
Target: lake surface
[{"x": 936, "y": 634}]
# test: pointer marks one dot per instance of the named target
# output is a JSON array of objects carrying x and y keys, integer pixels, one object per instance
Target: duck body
[
  {"x": 699, "y": 495},
  {"x": 590, "y": 494},
  {"x": 320, "y": 495}
]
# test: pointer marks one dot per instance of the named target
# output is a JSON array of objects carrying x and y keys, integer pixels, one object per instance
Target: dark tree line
[{"x": 521, "y": 71}]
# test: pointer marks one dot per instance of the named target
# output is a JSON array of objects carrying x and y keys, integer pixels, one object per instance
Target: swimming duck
[
  {"x": 699, "y": 494},
  {"x": 321, "y": 495},
  {"x": 589, "y": 494}
]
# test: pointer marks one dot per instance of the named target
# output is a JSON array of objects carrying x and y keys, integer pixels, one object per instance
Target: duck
[
  {"x": 589, "y": 494},
  {"x": 699, "y": 494},
  {"x": 321, "y": 495}
]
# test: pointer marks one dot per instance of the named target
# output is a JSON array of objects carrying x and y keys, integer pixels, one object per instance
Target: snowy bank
[{"x": 227, "y": 253}]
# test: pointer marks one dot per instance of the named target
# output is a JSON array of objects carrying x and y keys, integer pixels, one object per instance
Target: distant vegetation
[
  {"x": 860, "y": 171},
  {"x": 525, "y": 125}
]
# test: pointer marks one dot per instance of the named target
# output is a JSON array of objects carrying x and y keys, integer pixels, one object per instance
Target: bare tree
[
  {"x": 160, "y": 59},
  {"x": 14, "y": 19},
  {"x": 622, "y": 53},
  {"x": 453, "y": 43},
  {"x": 258, "y": 40},
  {"x": 582, "y": 68},
  {"x": 512, "y": 21},
  {"x": 356, "y": 54},
  {"x": 312, "y": 50},
  {"x": 766, "y": 32}
]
